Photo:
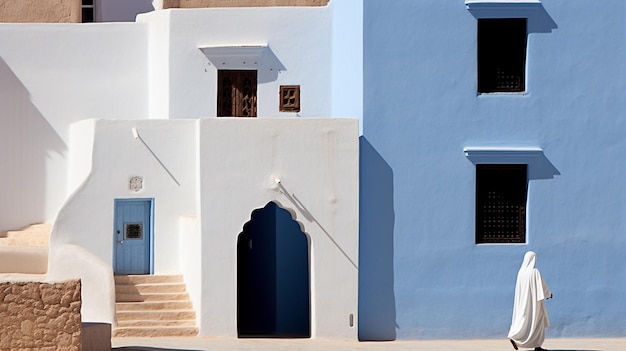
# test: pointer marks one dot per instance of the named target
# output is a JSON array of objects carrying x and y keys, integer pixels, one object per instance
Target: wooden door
[{"x": 236, "y": 93}]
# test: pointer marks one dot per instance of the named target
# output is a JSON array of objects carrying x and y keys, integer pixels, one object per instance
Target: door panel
[
  {"x": 132, "y": 236},
  {"x": 237, "y": 93}
]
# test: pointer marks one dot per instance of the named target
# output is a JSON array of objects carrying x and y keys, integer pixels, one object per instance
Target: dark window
[
  {"x": 501, "y": 203},
  {"x": 501, "y": 55},
  {"x": 236, "y": 93},
  {"x": 133, "y": 231},
  {"x": 88, "y": 11},
  {"x": 289, "y": 98}
]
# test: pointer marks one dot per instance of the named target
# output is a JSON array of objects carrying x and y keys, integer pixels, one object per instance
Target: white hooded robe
[{"x": 530, "y": 317}]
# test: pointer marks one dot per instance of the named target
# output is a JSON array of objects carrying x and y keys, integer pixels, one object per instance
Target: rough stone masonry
[{"x": 40, "y": 316}]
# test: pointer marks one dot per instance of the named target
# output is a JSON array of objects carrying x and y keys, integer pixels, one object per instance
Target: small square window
[
  {"x": 289, "y": 98},
  {"x": 133, "y": 231},
  {"x": 501, "y": 192},
  {"x": 501, "y": 55}
]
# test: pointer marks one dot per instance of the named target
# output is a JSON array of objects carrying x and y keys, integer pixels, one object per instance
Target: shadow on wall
[
  {"x": 27, "y": 141},
  {"x": 377, "y": 305}
]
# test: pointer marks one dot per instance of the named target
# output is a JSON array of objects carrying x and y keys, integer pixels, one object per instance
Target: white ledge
[
  {"x": 502, "y": 151},
  {"x": 251, "y": 51},
  {"x": 501, "y": 4},
  {"x": 242, "y": 57}
]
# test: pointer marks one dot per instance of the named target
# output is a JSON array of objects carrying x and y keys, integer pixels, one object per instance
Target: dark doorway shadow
[
  {"x": 377, "y": 305},
  {"x": 273, "y": 283}
]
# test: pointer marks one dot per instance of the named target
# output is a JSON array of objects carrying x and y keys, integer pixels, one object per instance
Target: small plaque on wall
[{"x": 135, "y": 183}]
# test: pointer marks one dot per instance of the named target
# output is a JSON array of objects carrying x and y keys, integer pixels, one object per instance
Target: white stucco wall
[
  {"x": 87, "y": 218},
  {"x": 299, "y": 42},
  {"x": 98, "y": 287},
  {"x": 218, "y": 171},
  {"x": 51, "y": 76},
  {"x": 316, "y": 161}
]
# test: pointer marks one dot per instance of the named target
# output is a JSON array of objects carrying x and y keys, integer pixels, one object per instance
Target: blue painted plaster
[{"x": 421, "y": 274}]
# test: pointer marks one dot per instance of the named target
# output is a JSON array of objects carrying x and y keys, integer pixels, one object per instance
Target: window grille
[
  {"x": 133, "y": 231},
  {"x": 289, "y": 98},
  {"x": 501, "y": 192}
]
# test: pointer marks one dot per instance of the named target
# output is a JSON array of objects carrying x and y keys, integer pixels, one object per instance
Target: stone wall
[
  {"x": 48, "y": 11},
  {"x": 40, "y": 316}
]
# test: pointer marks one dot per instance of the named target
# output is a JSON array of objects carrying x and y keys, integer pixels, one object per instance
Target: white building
[{"x": 109, "y": 131}]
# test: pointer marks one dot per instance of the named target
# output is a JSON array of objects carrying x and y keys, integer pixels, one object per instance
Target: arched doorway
[{"x": 273, "y": 284}]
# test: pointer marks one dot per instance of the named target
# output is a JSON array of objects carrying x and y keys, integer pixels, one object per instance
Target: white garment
[{"x": 530, "y": 317}]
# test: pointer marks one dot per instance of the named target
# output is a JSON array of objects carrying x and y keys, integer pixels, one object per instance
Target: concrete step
[
  {"x": 154, "y": 331},
  {"x": 147, "y": 279},
  {"x": 36, "y": 235},
  {"x": 23, "y": 259},
  {"x": 42, "y": 229},
  {"x": 157, "y": 323},
  {"x": 22, "y": 234},
  {"x": 151, "y": 288},
  {"x": 137, "y": 297},
  {"x": 154, "y": 306},
  {"x": 24, "y": 241},
  {"x": 156, "y": 315}
]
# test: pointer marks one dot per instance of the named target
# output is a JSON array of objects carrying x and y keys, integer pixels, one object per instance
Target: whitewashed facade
[{"x": 88, "y": 107}]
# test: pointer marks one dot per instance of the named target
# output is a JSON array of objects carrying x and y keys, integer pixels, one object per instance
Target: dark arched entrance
[{"x": 273, "y": 285}]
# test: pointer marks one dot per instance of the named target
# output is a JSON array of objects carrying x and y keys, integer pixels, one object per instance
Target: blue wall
[{"x": 421, "y": 273}]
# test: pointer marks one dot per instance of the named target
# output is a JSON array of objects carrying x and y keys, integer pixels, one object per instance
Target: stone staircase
[
  {"x": 34, "y": 235},
  {"x": 153, "y": 305},
  {"x": 24, "y": 253}
]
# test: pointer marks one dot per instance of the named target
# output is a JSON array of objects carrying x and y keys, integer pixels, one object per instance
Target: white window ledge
[
  {"x": 245, "y": 56},
  {"x": 504, "y": 8},
  {"x": 486, "y": 152},
  {"x": 539, "y": 167},
  {"x": 252, "y": 57},
  {"x": 501, "y": 4}
]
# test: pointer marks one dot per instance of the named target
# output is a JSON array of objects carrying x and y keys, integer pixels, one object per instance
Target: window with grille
[
  {"x": 133, "y": 231},
  {"x": 236, "y": 93},
  {"x": 88, "y": 11},
  {"x": 501, "y": 55},
  {"x": 501, "y": 203},
  {"x": 289, "y": 98}
]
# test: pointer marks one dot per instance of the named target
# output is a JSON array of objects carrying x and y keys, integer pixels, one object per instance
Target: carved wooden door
[{"x": 236, "y": 93}]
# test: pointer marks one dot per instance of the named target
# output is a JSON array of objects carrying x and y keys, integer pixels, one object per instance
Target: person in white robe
[{"x": 530, "y": 317}]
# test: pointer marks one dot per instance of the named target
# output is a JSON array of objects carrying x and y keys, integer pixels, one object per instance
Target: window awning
[
  {"x": 242, "y": 57},
  {"x": 495, "y": 152},
  {"x": 503, "y": 8}
]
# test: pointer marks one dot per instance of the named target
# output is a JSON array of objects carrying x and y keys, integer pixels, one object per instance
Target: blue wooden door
[{"x": 132, "y": 236}]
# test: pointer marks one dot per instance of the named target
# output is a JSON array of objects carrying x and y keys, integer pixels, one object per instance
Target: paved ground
[{"x": 218, "y": 344}]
